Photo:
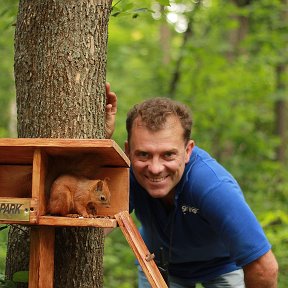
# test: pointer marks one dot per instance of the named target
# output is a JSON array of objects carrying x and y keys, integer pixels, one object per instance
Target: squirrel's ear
[
  {"x": 100, "y": 185},
  {"x": 106, "y": 179}
]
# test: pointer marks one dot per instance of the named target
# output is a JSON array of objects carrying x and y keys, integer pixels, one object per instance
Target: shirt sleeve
[{"x": 226, "y": 210}]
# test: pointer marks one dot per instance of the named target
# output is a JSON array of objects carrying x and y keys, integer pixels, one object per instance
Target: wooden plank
[
  {"x": 21, "y": 150},
  {"x": 38, "y": 181},
  {"x": 41, "y": 265},
  {"x": 139, "y": 248},
  {"x": 16, "y": 181},
  {"x": 34, "y": 204},
  {"x": 16, "y": 155},
  {"x": 83, "y": 222}
]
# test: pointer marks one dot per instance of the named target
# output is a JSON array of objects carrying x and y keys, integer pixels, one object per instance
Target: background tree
[{"x": 60, "y": 74}]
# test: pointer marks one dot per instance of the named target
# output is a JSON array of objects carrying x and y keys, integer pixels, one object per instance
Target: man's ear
[
  {"x": 127, "y": 150},
  {"x": 189, "y": 148}
]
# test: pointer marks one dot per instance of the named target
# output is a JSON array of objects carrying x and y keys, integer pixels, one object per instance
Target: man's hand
[{"x": 111, "y": 110}]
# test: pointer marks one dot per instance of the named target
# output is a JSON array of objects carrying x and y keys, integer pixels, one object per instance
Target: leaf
[
  {"x": 3, "y": 227},
  {"x": 21, "y": 276},
  {"x": 128, "y": 6},
  {"x": 164, "y": 2},
  {"x": 116, "y": 14},
  {"x": 7, "y": 284},
  {"x": 142, "y": 10}
]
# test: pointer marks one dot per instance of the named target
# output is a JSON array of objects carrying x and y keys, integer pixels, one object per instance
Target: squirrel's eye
[{"x": 102, "y": 198}]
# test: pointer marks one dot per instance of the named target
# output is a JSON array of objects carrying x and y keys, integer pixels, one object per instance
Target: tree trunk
[
  {"x": 281, "y": 102},
  {"x": 165, "y": 38},
  {"x": 280, "y": 114},
  {"x": 238, "y": 35},
  {"x": 60, "y": 75},
  {"x": 187, "y": 35}
]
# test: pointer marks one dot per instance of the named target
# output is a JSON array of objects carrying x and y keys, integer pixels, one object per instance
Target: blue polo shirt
[{"x": 210, "y": 230}]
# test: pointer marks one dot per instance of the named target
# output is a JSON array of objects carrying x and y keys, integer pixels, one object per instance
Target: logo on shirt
[{"x": 188, "y": 209}]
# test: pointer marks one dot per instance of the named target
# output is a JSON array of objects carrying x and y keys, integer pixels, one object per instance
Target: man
[{"x": 193, "y": 214}]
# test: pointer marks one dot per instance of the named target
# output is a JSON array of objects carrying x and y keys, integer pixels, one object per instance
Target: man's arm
[
  {"x": 262, "y": 273},
  {"x": 111, "y": 110}
]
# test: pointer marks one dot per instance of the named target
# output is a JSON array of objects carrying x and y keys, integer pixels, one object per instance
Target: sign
[{"x": 14, "y": 209}]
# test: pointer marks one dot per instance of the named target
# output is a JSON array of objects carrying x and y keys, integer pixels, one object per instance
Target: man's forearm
[
  {"x": 254, "y": 281},
  {"x": 262, "y": 273}
]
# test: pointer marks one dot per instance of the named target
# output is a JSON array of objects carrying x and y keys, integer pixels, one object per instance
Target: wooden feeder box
[{"x": 26, "y": 166}]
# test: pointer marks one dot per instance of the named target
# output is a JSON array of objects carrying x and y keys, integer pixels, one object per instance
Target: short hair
[{"x": 154, "y": 112}]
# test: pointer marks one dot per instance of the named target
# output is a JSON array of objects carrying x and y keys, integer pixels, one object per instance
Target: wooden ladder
[{"x": 139, "y": 248}]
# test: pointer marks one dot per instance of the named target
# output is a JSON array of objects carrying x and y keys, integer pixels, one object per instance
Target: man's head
[
  {"x": 154, "y": 112},
  {"x": 159, "y": 144}
]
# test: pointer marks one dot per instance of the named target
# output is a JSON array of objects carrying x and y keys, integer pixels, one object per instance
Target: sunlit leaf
[{"x": 21, "y": 276}]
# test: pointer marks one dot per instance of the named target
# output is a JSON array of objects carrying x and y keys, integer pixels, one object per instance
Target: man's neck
[{"x": 168, "y": 200}]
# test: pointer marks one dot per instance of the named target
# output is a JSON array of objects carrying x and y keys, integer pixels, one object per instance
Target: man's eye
[
  {"x": 169, "y": 155},
  {"x": 142, "y": 155}
]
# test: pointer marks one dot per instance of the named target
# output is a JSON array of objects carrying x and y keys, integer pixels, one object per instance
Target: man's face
[{"x": 158, "y": 158}]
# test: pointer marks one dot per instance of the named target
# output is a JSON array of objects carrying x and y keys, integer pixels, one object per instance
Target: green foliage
[
  {"x": 133, "y": 8},
  {"x": 119, "y": 261},
  {"x": 232, "y": 99},
  {"x": 7, "y": 283},
  {"x": 21, "y": 277},
  {"x": 119, "y": 267},
  {"x": 18, "y": 277},
  {"x": 7, "y": 88},
  {"x": 3, "y": 245}
]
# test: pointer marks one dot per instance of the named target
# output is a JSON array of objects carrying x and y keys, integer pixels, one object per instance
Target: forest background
[{"x": 227, "y": 60}]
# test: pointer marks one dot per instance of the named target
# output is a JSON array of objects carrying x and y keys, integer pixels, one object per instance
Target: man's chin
[{"x": 157, "y": 194}]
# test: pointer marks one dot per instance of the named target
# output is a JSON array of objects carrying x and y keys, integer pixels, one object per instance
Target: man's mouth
[{"x": 156, "y": 179}]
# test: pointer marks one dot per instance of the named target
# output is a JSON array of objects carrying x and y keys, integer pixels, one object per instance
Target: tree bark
[
  {"x": 164, "y": 39},
  {"x": 187, "y": 35},
  {"x": 281, "y": 103},
  {"x": 238, "y": 35},
  {"x": 60, "y": 75},
  {"x": 281, "y": 114}
]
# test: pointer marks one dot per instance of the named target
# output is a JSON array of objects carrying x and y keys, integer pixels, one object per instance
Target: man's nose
[{"x": 155, "y": 166}]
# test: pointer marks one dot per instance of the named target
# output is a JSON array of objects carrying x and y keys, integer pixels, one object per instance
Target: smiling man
[
  {"x": 194, "y": 216},
  {"x": 158, "y": 156},
  {"x": 193, "y": 213}
]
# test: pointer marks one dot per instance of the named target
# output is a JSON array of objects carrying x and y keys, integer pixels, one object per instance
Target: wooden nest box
[{"x": 29, "y": 166}]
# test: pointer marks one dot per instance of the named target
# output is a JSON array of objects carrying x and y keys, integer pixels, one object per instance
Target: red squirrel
[{"x": 70, "y": 194}]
